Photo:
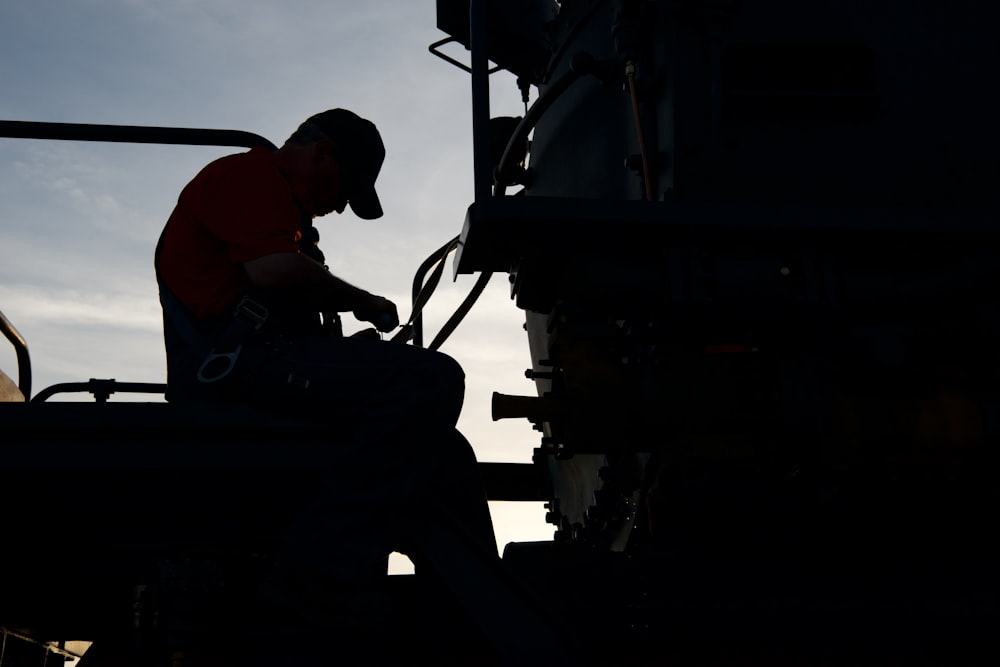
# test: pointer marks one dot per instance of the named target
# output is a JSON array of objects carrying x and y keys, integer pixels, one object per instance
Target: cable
[
  {"x": 413, "y": 329},
  {"x": 462, "y": 311}
]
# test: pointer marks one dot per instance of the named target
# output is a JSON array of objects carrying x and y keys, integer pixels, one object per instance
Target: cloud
[
  {"x": 73, "y": 336},
  {"x": 70, "y": 308}
]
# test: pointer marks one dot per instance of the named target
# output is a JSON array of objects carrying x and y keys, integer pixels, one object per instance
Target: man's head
[{"x": 357, "y": 152}]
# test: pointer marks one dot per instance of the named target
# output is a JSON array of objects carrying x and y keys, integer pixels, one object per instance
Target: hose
[
  {"x": 582, "y": 63},
  {"x": 462, "y": 311}
]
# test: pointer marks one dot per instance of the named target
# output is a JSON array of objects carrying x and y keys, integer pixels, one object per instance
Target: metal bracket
[{"x": 435, "y": 49}]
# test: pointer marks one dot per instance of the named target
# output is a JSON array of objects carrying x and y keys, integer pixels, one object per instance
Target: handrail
[
  {"x": 135, "y": 134},
  {"x": 435, "y": 49},
  {"x": 11, "y": 333},
  {"x": 101, "y": 389}
]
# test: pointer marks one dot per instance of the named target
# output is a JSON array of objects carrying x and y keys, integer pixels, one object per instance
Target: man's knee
[
  {"x": 450, "y": 372},
  {"x": 440, "y": 379},
  {"x": 452, "y": 380}
]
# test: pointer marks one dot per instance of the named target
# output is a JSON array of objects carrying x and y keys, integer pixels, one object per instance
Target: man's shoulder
[
  {"x": 257, "y": 157},
  {"x": 256, "y": 168}
]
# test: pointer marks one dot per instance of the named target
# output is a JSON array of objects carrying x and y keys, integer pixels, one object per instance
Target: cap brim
[{"x": 366, "y": 205}]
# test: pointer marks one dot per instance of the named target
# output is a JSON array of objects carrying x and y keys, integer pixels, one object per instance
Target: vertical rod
[
  {"x": 715, "y": 103},
  {"x": 481, "y": 170}
]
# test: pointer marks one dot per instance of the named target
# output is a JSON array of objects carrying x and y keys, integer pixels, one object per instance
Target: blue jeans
[{"x": 397, "y": 468}]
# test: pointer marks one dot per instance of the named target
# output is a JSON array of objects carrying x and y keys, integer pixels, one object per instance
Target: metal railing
[{"x": 133, "y": 134}]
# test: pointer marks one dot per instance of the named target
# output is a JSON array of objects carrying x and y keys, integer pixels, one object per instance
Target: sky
[{"x": 79, "y": 220}]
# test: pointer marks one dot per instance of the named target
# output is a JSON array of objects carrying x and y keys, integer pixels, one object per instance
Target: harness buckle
[
  {"x": 249, "y": 315},
  {"x": 255, "y": 313},
  {"x": 229, "y": 358}
]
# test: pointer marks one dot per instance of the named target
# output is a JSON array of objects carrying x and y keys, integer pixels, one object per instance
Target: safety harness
[
  {"x": 248, "y": 317},
  {"x": 218, "y": 345}
]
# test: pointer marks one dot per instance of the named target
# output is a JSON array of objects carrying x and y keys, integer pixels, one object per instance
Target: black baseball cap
[{"x": 359, "y": 147}]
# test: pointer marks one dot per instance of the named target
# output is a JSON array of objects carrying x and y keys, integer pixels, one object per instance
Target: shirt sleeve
[{"x": 250, "y": 208}]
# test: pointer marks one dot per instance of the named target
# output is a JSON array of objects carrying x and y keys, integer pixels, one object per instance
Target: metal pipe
[
  {"x": 481, "y": 168},
  {"x": 647, "y": 177}
]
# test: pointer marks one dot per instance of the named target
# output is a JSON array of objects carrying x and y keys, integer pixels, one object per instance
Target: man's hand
[{"x": 379, "y": 311}]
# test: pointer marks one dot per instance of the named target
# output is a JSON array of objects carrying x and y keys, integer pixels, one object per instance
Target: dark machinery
[
  {"x": 756, "y": 248},
  {"x": 755, "y": 244}
]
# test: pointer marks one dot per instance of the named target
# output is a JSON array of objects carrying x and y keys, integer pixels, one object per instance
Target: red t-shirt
[{"x": 237, "y": 208}]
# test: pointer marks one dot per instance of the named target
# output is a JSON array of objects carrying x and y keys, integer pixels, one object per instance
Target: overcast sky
[{"x": 79, "y": 221}]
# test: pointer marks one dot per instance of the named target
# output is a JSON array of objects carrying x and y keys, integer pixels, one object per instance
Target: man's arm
[{"x": 284, "y": 270}]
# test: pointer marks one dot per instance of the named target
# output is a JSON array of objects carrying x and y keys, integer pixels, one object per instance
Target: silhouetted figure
[{"x": 398, "y": 475}]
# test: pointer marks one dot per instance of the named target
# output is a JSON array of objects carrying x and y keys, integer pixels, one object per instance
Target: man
[
  {"x": 237, "y": 227},
  {"x": 402, "y": 478}
]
